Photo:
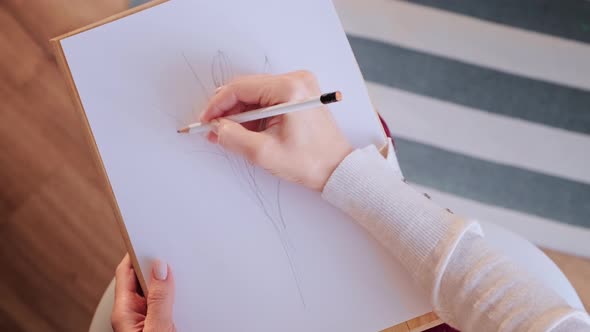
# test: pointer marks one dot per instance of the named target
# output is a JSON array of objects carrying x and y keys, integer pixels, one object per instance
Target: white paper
[{"x": 248, "y": 252}]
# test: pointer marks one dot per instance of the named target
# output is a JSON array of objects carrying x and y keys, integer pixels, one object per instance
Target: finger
[
  {"x": 127, "y": 302},
  {"x": 234, "y": 137},
  {"x": 125, "y": 278},
  {"x": 239, "y": 108},
  {"x": 250, "y": 77},
  {"x": 261, "y": 91},
  {"x": 234, "y": 95},
  {"x": 160, "y": 299}
]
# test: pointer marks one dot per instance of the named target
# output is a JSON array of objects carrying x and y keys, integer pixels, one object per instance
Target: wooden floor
[{"x": 59, "y": 243}]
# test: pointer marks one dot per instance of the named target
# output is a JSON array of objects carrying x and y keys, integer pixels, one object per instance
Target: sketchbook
[{"x": 249, "y": 252}]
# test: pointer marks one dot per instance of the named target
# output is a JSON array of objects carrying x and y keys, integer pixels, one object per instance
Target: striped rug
[{"x": 489, "y": 102}]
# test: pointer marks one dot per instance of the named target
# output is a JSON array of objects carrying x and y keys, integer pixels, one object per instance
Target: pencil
[{"x": 268, "y": 112}]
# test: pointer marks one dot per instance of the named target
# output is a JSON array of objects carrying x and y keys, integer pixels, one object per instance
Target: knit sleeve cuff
[{"x": 418, "y": 233}]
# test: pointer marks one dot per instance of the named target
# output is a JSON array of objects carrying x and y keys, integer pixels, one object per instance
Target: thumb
[
  {"x": 235, "y": 138},
  {"x": 160, "y": 299}
]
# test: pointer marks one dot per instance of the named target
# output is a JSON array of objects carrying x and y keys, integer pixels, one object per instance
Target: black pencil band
[{"x": 331, "y": 97}]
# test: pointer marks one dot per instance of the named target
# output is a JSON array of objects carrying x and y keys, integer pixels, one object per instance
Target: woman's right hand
[{"x": 303, "y": 147}]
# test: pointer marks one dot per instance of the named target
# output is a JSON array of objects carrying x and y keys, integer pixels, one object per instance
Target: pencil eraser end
[{"x": 331, "y": 97}]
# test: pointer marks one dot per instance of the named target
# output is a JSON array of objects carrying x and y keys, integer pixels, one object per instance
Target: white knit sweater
[{"x": 472, "y": 287}]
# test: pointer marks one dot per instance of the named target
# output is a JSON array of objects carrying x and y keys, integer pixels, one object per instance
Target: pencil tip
[{"x": 183, "y": 130}]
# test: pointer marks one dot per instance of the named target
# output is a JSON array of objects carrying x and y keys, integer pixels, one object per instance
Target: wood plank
[
  {"x": 21, "y": 55},
  {"x": 46, "y": 19},
  {"x": 59, "y": 244},
  {"x": 403, "y": 327},
  {"x": 577, "y": 270},
  {"x": 18, "y": 65},
  {"x": 423, "y": 322},
  {"x": 58, "y": 249},
  {"x": 39, "y": 132}
]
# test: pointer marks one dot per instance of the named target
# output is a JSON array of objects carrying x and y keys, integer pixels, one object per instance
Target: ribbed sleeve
[{"x": 471, "y": 286}]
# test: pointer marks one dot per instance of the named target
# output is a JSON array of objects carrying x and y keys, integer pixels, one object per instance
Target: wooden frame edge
[
  {"x": 109, "y": 19},
  {"x": 97, "y": 159},
  {"x": 75, "y": 97},
  {"x": 424, "y": 322}
]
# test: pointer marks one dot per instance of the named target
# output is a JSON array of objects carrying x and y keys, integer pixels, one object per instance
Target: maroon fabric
[
  {"x": 386, "y": 129},
  {"x": 441, "y": 328}
]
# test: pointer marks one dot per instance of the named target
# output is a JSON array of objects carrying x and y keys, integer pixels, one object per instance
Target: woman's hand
[
  {"x": 303, "y": 147},
  {"x": 132, "y": 312}
]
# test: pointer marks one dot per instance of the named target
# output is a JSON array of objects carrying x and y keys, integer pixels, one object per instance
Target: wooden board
[
  {"x": 428, "y": 319},
  {"x": 63, "y": 65}
]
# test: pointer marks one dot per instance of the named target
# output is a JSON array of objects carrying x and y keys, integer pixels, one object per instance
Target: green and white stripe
[{"x": 490, "y": 106}]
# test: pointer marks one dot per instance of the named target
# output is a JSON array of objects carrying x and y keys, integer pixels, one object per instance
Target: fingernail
[
  {"x": 160, "y": 269},
  {"x": 219, "y": 89}
]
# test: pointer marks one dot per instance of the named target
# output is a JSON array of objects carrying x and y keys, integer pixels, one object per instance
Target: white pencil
[{"x": 268, "y": 112}]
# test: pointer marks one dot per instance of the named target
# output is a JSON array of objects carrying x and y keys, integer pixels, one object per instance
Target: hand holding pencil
[
  {"x": 268, "y": 112},
  {"x": 303, "y": 147}
]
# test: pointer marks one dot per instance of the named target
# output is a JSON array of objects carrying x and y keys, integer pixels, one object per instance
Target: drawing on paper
[{"x": 268, "y": 199}]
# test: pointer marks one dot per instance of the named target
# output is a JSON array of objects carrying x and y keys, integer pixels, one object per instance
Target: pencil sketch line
[
  {"x": 279, "y": 204},
  {"x": 259, "y": 196},
  {"x": 295, "y": 275},
  {"x": 222, "y": 72},
  {"x": 256, "y": 187},
  {"x": 166, "y": 113},
  {"x": 209, "y": 152},
  {"x": 200, "y": 83},
  {"x": 216, "y": 82},
  {"x": 266, "y": 67},
  {"x": 284, "y": 238}
]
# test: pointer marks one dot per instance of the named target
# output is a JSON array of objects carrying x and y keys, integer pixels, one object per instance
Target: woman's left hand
[{"x": 132, "y": 312}]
